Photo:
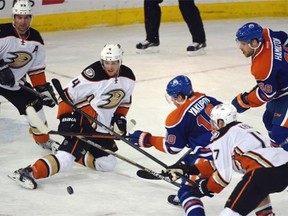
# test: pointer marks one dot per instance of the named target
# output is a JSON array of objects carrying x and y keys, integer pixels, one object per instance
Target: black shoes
[
  {"x": 147, "y": 47},
  {"x": 174, "y": 200}
]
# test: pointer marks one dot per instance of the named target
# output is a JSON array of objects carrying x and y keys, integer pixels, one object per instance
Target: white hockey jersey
[
  {"x": 242, "y": 148},
  {"x": 94, "y": 88},
  {"x": 22, "y": 56}
]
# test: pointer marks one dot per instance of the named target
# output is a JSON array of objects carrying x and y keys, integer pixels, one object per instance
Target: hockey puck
[{"x": 70, "y": 190}]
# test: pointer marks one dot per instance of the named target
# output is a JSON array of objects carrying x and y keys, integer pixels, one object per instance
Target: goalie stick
[
  {"x": 61, "y": 93},
  {"x": 43, "y": 128}
]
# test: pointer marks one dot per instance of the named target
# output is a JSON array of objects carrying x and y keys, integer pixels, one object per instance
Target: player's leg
[
  {"x": 191, "y": 204},
  {"x": 99, "y": 160},
  {"x": 193, "y": 19},
  {"x": 255, "y": 186},
  {"x": 279, "y": 127},
  {"x": 43, "y": 168},
  {"x": 191, "y": 159},
  {"x": 21, "y": 99},
  {"x": 152, "y": 16}
]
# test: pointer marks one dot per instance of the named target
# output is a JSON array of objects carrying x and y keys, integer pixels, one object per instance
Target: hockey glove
[
  {"x": 70, "y": 122},
  {"x": 180, "y": 168},
  {"x": 202, "y": 189},
  {"x": 140, "y": 138},
  {"x": 6, "y": 75},
  {"x": 47, "y": 91},
  {"x": 119, "y": 124},
  {"x": 241, "y": 103}
]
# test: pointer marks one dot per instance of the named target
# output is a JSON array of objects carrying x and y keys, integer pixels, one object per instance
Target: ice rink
[{"x": 223, "y": 73}]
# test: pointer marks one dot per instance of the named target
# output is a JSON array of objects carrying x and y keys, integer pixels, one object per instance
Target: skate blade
[
  {"x": 149, "y": 50},
  {"x": 196, "y": 53},
  {"x": 27, "y": 183}
]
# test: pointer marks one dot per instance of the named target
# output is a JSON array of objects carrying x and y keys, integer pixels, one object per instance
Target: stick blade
[{"x": 146, "y": 175}]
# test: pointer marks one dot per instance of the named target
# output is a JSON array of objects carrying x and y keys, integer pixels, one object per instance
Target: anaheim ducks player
[
  {"x": 22, "y": 53},
  {"x": 103, "y": 90},
  {"x": 239, "y": 147}
]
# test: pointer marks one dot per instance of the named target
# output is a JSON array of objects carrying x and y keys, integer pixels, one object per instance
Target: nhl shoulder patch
[{"x": 89, "y": 73}]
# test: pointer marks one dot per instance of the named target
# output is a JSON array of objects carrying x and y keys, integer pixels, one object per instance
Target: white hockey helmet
[
  {"x": 22, "y": 7},
  {"x": 225, "y": 112},
  {"x": 112, "y": 52}
]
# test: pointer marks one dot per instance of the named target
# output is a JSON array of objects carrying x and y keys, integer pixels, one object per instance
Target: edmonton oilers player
[
  {"x": 269, "y": 52},
  {"x": 186, "y": 126}
]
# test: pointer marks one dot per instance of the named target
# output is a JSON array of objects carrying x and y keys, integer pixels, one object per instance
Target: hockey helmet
[
  {"x": 224, "y": 112},
  {"x": 112, "y": 52},
  {"x": 179, "y": 85},
  {"x": 22, "y": 7},
  {"x": 250, "y": 31}
]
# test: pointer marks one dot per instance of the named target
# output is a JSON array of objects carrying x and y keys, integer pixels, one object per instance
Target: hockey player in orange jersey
[
  {"x": 239, "y": 147},
  {"x": 269, "y": 52},
  {"x": 186, "y": 126},
  {"x": 22, "y": 53},
  {"x": 103, "y": 90}
]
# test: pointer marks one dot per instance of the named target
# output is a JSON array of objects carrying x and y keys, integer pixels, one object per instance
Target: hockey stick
[
  {"x": 43, "y": 128},
  {"x": 38, "y": 94},
  {"x": 145, "y": 175},
  {"x": 33, "y": 115},
  {"x": 147, "y": 170},
  {"x": 61, "y": 93}
]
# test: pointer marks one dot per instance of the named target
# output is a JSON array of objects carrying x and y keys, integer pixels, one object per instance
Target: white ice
[{"x": 222, "y": 72}]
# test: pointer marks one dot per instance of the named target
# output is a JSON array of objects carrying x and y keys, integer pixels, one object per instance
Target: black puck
[{"x": 70, "y": 190}]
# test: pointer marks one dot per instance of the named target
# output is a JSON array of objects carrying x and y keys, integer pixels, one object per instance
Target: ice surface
[{"x": 222, "y": 72}]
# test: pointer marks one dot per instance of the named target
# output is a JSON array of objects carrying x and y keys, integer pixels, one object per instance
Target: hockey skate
[
  {"x": 50, "y": 145},
  {"x": 24, "y": 178},
  {"x": 174, "y": 200},
  {"x": 147, "y": 47},
  {"x": 196, "y": 49}
]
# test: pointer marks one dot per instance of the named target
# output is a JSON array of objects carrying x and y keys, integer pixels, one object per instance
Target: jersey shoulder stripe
[
  {"x": 95, "y": 72},
  {"x": 7, "y": 30},
  {"x": 35, "y": 36},
  {"x": 127, "y": 72},
  {"x": 177, "y": 115},
  {"x": 262, "y": 63}
]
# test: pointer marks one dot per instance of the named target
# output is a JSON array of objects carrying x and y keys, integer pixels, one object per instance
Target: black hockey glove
[
  {"x": 47, "y": 91},
  {"x": 6, "y": 75},
  {"x": 182, "y": 168},
  {"x": 70, "y": 122},
  {"x": 202, "y": 189},
  {"x": 119, "y": 124}
]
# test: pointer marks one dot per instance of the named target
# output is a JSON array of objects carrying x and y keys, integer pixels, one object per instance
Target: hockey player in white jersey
[
  {"x": 22, "y": 54},
  {"x": 104, "y": 91},
  {"x": 239, "y": 147}
]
